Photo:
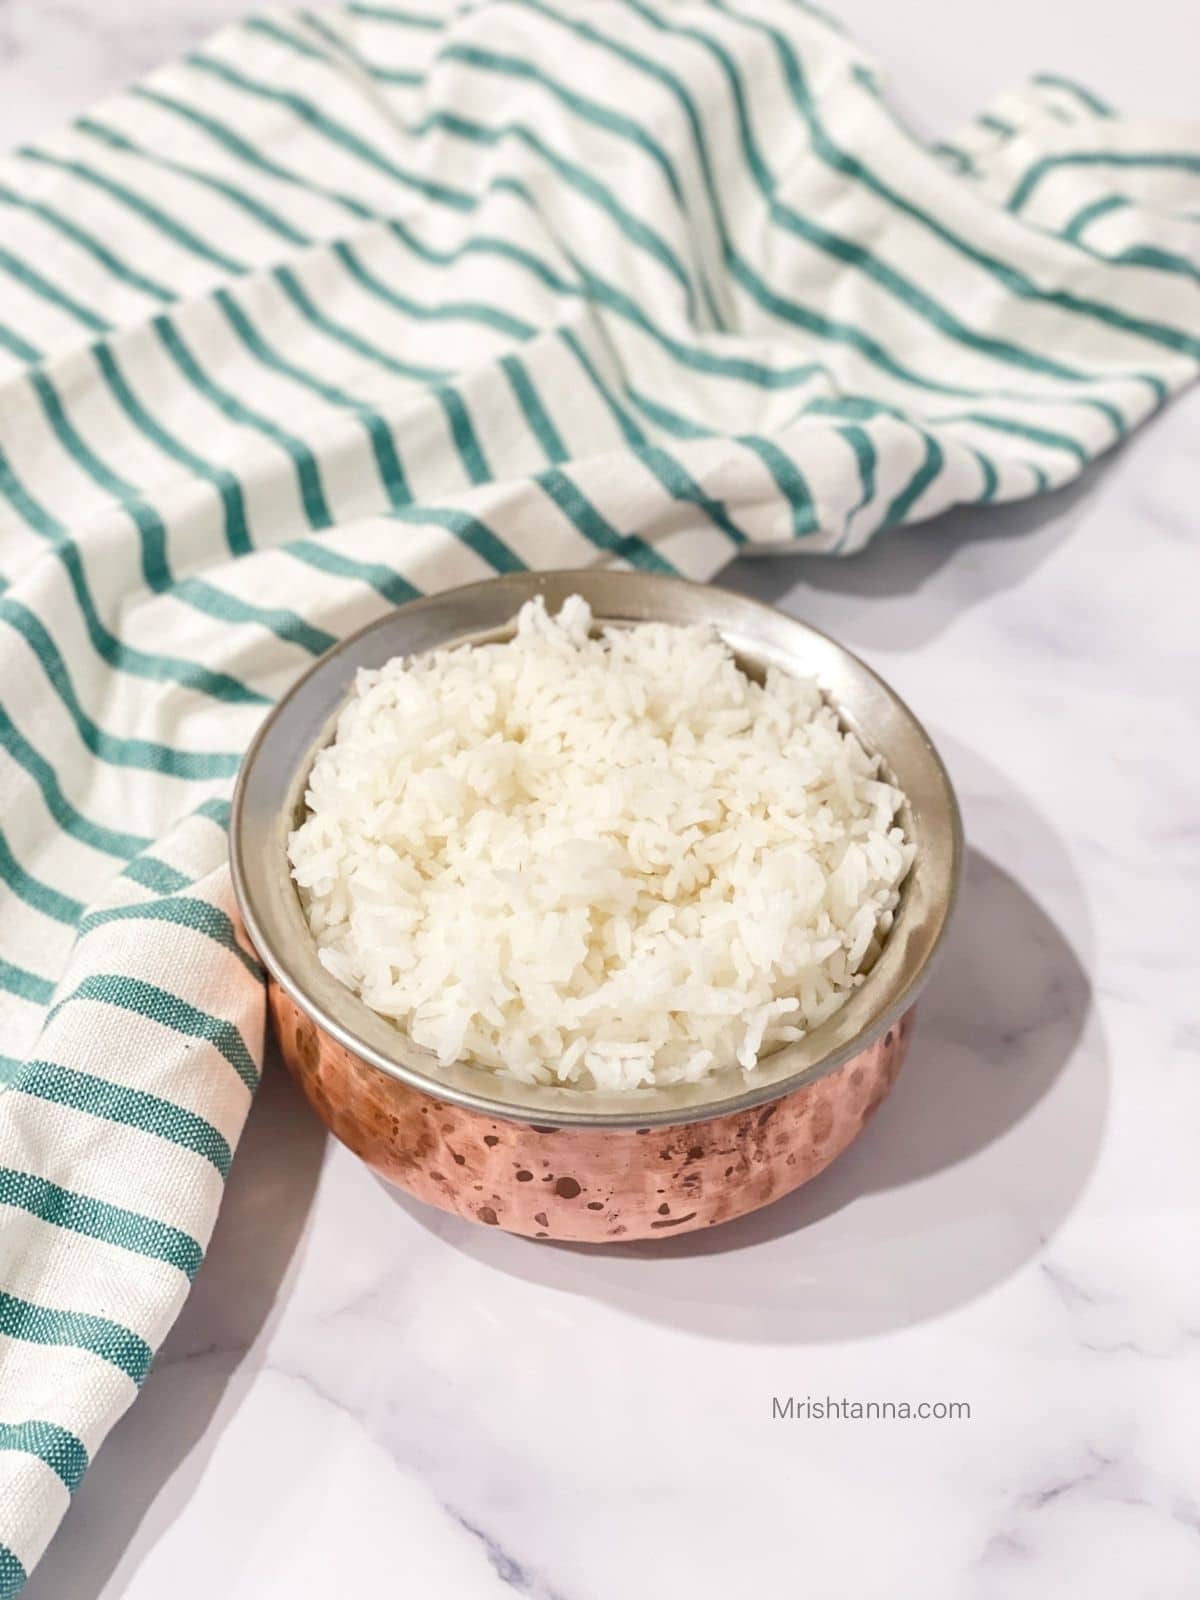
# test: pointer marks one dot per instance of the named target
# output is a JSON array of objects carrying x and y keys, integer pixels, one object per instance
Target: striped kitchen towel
[{"x": 356, "y": 304}]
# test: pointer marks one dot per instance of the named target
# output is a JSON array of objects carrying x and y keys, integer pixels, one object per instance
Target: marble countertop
[{"x": 362, "y": 1395}]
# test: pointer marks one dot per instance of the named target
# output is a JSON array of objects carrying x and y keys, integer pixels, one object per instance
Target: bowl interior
[{"x": 269, "y": 801}]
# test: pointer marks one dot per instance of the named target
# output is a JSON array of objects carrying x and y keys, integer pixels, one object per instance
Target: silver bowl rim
[{"x": 272, "y": 915}]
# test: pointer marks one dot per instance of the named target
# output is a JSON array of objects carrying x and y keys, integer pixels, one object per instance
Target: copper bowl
[{"x": 570, "y": 1164}]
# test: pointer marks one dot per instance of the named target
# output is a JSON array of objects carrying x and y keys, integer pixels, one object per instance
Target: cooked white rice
[{"x": 605, "y": 861}]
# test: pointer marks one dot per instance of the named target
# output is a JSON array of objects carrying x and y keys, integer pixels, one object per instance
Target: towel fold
[{"x": 351, "y": 306}]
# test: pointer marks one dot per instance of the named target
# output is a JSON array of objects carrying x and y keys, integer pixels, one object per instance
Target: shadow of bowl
[{"x": 976, "y": 1158}]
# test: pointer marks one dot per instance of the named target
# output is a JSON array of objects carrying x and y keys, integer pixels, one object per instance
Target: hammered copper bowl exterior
[
  {"x": 544, "y": 1160},
  {"x": 588, "y": 1185}
]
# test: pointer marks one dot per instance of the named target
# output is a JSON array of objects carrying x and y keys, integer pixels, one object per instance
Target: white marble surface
[{"x": 363, "y": 1395}]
